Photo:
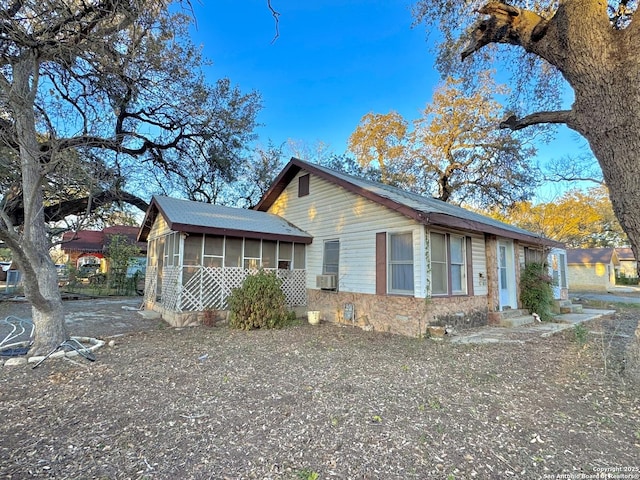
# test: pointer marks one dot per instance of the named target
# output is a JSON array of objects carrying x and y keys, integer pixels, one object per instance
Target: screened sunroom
[{"x": 197, "y": 253}]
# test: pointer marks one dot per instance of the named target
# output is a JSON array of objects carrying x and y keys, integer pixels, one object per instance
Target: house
[
  {"x": 356, "y": 251},
  {"x": 88, "y": 247},
  {"x": 627, "y": 264},
  {"x": 400, "y": 261},
  {"x": 592, "y": 268},
  {"x": 198, "y": 252}
]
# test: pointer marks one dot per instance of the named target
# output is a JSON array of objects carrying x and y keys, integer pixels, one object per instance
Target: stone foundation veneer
[
  {"x": 397, "y": 314},
  {"x": 185, "y": 319}
]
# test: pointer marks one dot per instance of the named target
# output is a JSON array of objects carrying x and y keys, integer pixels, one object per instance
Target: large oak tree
[
  {"x": 111, "y": 90},
  {"x": 453, "y": 152},
  {"x": 591, "y": 45}
]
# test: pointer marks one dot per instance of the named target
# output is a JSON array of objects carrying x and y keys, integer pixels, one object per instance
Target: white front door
[{"x": 506, "y": 275}]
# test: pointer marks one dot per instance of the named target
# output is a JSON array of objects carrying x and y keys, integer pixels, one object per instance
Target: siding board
[{"x": 331, "y": 212}]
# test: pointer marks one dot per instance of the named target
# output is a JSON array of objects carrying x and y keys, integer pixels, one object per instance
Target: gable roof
[
  {"x": 589, "y": 256},
  {"x": 198, "y": 217},
  {"x": 98, "y": 240},
  {"x": 625, "y": 253},
  {"x": 424, "y": 210}
]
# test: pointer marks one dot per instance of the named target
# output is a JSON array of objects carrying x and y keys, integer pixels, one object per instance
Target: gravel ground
[{"x": 212, "y": 403}]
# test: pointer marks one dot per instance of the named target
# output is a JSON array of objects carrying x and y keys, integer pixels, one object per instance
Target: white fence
[{"x": 209, "y": 287}]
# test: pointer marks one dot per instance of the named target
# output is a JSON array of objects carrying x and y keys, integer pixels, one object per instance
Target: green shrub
[
  {"x": 259, "y": 303},
  {"x": 536, "y": 293},
  {"x": 581, "y": 334}
]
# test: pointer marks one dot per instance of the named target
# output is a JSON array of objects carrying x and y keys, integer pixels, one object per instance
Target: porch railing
[{"x": 209, "y": 287}]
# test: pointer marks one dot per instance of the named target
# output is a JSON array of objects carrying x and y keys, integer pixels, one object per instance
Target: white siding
[
  {"x": 330, "y": 212},
  {"x": 159, "y": 228},
  {"x": 479, "y": 259}
]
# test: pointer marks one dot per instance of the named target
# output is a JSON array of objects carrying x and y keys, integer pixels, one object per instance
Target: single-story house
[
  {"x": 86, "y": 247},
  {"x": 357, "y": 251},
  {"x": 627, "y": 263},
  {"x": 198, "y": 252},
  {"x": 592, "y": 268}
]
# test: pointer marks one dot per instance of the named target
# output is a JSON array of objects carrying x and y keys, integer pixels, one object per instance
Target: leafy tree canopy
[
  {"x": 580, "y": 219},
  {"x": 454, "y": 151}
]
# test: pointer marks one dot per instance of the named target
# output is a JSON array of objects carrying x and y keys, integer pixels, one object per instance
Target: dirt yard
[{"x": 321, "y": 402}]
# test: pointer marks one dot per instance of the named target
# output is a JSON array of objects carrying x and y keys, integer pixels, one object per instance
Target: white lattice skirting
[{"x": 208, "y": 288}]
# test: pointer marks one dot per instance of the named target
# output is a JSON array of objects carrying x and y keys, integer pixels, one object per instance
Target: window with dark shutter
[{"x": 303, "y": 185}]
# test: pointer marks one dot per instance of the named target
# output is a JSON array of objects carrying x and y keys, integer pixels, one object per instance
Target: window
[
  {"x": 558, "y": 271},
  {"x": 191, "y": 256},
  {"x": 251, "y": 253},
  {"x": 331, "y": 257},
  {"x": 533, "y": 255},
  {"x": 172, "y": 249},
  {"x": 458, "y": 265},
  {"x": 285, "y": 252},
  {"x": 439, "y": 277},
  {"x": 233, "y": 252},
  {"x": 448, "y": 264},
  {"x": 303, "y": 185},
  {"x": 213, "y": 251},
  {"x": 563, "y": 270},
  {"x": 192, "y": 250},
  {"x": 401, "y": 263},
  {"x": 269, "y": 249}
]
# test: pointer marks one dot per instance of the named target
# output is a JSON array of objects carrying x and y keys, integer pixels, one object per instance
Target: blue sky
[{"x": 333, "y": 62}]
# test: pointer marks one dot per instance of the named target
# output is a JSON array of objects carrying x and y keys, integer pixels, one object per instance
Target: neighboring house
[
  {"x": 592, "y": 268},
  {"x": 198, "y": 252},
  {"x": 366, "y": 253},
  {"x": 88, "y": 247},
  {"x": 627, "y": 263}
]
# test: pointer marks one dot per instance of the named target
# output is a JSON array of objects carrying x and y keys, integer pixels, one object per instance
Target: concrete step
[
  {"x": 513, "y": 312},
  {"x": 516, "y": 321},
  {"x": 571, "y": 308}
]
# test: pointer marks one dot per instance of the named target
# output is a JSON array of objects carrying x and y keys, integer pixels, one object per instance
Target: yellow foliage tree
[
  {"x": 579, "y": 219},
  {"x": 454, "y": 152},
  {"x": 381, "y": 139}
]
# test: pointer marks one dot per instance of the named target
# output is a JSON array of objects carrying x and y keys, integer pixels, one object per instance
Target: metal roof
[
  {"x": 198, "y": 217},
  {"x": 426, "y": 210}
]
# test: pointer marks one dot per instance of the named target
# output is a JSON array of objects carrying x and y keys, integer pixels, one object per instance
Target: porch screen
[
  {"x": 192, "y": 256},
  {"x": 251, "y": 253},
  {"x": 233, "y": 252},
  {"x": 213, "y": 251},
  {"x": 285, "y": 255},
  {"x": 269, "y": 252}
]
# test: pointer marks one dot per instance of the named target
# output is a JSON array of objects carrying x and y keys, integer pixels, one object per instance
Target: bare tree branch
[
  {"x": 276, "y": 19},
  {"x": 558, "y": 116},
  {"x": 13, "y": 211}
]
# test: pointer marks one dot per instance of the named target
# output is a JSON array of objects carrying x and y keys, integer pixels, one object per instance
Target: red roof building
[{"x": 89, "y": 246}]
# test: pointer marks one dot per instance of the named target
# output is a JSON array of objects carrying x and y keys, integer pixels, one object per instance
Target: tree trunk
[{"x": 41, "y": 282}]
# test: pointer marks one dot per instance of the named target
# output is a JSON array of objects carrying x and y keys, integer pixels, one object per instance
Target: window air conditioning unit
[{"x": 326, "y": 282}]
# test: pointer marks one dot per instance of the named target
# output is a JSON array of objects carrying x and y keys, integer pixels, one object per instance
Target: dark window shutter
[
  {"x": 303, "y": 185},
  {"x": 381, "y": 263},
  {"x": 469, "y": 267}
]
